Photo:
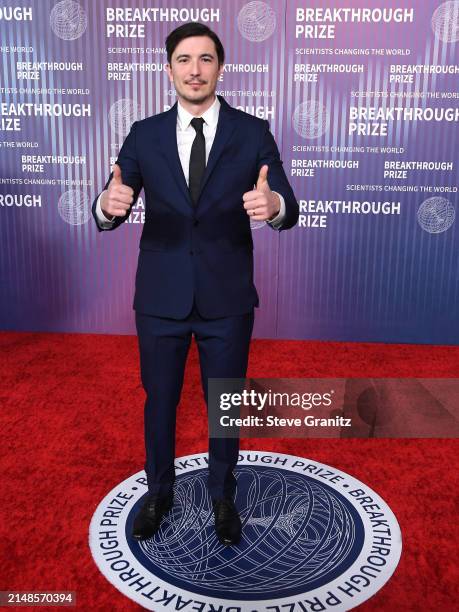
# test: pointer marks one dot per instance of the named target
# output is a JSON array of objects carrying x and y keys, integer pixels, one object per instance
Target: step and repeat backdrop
[{"x": 362, "y": 98}]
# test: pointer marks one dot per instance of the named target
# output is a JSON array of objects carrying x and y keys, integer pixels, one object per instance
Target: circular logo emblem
[
  {"x": 445, "y": 21},
  {"x": 310, "y": 534},
  {"x": 73, "y": 207},
  {"x": 122, "y": 115},
  {"x": 310, "y": 119},
  {"x": 256, "y": 21},
  {"x": 68, "y": 20},
  {"x": 436, "y": 215}
]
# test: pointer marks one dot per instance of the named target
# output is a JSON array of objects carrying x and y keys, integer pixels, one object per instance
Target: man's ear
[{"x": 169, "y": 72}]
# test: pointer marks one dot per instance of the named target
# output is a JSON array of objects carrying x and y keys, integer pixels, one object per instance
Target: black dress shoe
[
  {"x": 227, "y": 522},
  {"x": 148, "y": 519}
]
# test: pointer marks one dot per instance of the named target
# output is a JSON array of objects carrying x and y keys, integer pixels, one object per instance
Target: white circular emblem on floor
[{"x": 314, "y": 539}]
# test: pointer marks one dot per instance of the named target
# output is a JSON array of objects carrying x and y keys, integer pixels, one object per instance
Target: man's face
[{"x": 194, "y": 69}]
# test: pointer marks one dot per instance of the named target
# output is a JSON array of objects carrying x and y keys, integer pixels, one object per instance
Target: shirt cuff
[
  {"x": 276, "y": 223},
  {"x": 104, "y": 223}
]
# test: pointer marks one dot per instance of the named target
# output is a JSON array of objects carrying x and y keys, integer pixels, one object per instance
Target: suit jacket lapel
[
  {"x": 171, "y": 151},
  {"x": 225, "y": 128}
]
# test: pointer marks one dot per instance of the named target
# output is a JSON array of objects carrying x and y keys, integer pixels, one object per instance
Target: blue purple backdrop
[{"x": 362, "y": 100}]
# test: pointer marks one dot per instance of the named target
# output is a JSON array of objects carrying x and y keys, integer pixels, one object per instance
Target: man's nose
[{"x": 195, "y": 70}]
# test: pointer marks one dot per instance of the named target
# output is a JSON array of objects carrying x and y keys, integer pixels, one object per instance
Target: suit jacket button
[
  {"x": 191, "y": 252},
  {"x": 195, "y": 223}
]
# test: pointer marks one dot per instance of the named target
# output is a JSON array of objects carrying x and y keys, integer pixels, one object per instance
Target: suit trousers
[{"x": 223, "y": 346}]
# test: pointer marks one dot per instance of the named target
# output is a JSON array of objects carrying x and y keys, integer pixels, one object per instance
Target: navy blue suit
[{"x": 195, "y": 270}]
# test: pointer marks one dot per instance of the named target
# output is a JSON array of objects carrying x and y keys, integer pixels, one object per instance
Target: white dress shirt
[{"x": 185, "y": 136}]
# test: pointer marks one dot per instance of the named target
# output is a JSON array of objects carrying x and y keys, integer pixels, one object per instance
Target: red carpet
[{"x": 72, "y": 409}]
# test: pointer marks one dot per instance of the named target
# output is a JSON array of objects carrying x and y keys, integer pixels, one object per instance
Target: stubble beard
[{"x": 196, "y": 100}]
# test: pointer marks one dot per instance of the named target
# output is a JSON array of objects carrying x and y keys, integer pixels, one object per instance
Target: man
[{"x": 206, "y": 169}]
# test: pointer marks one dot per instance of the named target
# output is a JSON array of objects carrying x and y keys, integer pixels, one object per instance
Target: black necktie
[{"x": 197, "y": 159}]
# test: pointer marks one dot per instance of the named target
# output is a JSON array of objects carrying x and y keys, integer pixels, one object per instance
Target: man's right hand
[{"x": 118, "y": 198}]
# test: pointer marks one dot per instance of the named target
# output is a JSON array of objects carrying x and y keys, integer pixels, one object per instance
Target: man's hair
[{"x": 193, "y": 29}]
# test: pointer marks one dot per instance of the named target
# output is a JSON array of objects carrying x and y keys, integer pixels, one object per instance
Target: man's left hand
[{"x": 261, "y": 203}]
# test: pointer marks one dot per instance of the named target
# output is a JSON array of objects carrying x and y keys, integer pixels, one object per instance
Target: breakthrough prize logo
[
  {"x": 122, "y": 115},
  {"x": 436, "y": 215},
  {"x": 310, "y": 534},
  {"x": 311, "y": 119},
  {"x": 68, "y": 20},
  {"x": 74, "y": 207},
  {"x": 256, "y": 21},
  {"x": 445, "y": 21}
]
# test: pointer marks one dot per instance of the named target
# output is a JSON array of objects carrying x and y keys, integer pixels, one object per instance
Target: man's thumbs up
[
  {"x": 261, "y": 203},
  {"x": 262, "y": 181},
  {"x": 117, "y": 179},
  {"x": 118, "y": 198}
]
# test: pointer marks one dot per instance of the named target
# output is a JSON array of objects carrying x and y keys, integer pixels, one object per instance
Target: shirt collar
[{"x": 210, "y": 116}]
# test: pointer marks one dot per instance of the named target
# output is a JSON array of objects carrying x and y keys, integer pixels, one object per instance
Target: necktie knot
[{"x": 198, "y": 124}]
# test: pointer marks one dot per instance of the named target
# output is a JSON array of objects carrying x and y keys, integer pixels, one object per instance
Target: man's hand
[
  {"x": 118, "y": 198},
  {"x": 261, "y": 203}
]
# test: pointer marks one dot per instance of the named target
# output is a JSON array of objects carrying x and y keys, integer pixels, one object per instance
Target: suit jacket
[{"x": 201, "y": 252}]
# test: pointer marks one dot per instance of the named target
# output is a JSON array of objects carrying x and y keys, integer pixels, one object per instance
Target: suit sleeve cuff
[
  {"x": 276, "y": 223},
  {"x": 104, "y": 223}
]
